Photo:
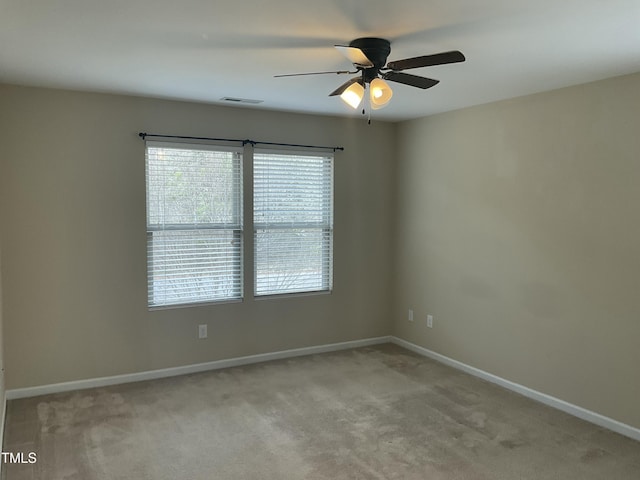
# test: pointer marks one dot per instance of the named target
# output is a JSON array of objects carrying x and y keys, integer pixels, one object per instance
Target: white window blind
[
  {"x": 194, "y": 223},
  {"x": 293, "y": 222}
]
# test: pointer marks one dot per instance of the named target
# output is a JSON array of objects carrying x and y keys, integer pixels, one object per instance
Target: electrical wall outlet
[
  {"x": 410, "y": 317},
  {"x": 202, "y": 331},
  {"x": 430, "y": 321}
]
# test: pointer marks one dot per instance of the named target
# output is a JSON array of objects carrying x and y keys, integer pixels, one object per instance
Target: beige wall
[
  {"x": 518, "y": 229},
  {"x": 2, "y": 389},
  {"x": 2, "y": 396},
  {"x": 72, "y": 210},
  {"x": 515, "y": 224}
]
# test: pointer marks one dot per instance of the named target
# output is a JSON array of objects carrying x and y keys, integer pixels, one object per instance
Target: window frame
[
  {"x": 326, "y": 226},
  {"x": 235, "y": 229}
]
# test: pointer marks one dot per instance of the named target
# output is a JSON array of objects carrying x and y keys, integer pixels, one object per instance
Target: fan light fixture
[
  {"x": 381, "y": 93},
  {"x": 353, "y": 95}
]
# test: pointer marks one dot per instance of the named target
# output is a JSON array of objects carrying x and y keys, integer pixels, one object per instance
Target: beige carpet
[{"x": 371, "y": 413}]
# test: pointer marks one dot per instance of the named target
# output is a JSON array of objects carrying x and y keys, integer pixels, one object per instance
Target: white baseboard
[
  {"x": 567, "y": 407},
  {"x": 588, "y": 415},
  {"x": 199, "y": 367}
]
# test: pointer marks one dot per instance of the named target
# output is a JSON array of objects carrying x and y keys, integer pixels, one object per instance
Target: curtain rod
[{"x": 144, "y": 135}]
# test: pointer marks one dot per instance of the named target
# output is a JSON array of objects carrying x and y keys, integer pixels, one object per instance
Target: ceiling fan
[{"x": 369, "y": 58}]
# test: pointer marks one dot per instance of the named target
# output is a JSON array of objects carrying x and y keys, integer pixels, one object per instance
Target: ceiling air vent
[{"x": 240, "y": 100}]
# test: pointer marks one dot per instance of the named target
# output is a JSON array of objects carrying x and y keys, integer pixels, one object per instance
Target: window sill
[
  {"x": 277, "y": 296},
  {"x": 198, "y": 304}
]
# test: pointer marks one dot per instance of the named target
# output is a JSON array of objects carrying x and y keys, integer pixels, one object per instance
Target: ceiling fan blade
[
  {"x": 344, "y": 86},
  {"x": 355, "y": 56},
  {"x": 412, "y": 80},
  {"x": 453, "y": 56},
  {"x": 338, "y": 72}
]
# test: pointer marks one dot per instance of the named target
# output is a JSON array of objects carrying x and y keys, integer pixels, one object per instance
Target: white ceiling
[{"x": 204, "y": 50}]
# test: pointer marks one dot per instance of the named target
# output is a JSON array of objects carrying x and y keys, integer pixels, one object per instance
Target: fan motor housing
[{"x": 376, "y": 49}]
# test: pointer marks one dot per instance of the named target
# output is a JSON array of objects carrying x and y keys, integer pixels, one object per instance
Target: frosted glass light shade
[
  {"x": 353, "y": 95},
  {"x": 380, "y": 93}
]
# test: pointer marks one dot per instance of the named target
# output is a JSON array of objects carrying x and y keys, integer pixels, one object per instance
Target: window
[
  {"x": 293, "y": 222},
  {"x": 194, "y": 223}
]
